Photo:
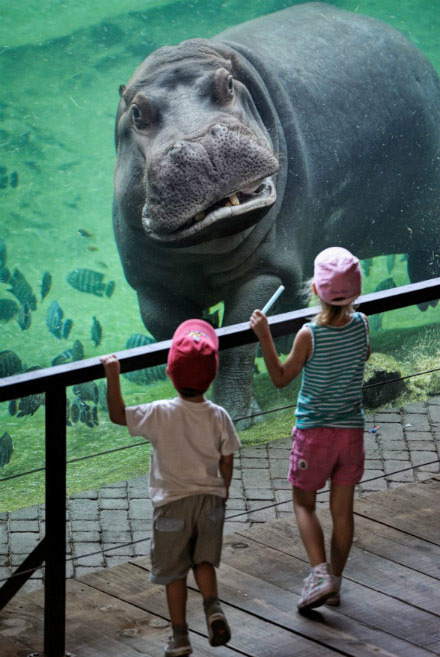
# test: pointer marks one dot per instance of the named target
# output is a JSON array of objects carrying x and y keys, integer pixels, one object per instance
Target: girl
[{"x": 328, "y": 436}]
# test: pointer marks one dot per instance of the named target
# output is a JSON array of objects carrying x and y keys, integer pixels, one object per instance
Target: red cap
[{"x": 193, "y": 356}]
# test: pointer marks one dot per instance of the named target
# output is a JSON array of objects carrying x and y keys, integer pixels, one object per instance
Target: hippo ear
[{"x": 122, "y": 89}]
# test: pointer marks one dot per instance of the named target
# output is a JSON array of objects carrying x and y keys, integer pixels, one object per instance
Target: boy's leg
[
  {"x": 218, "y": 629},
  {"x": 178, "y": 642},
  {"x": 304, "y": 504},
  {"x": 206, "y": 578},
  {"x": 176, "y": 598},
  {"x": 341, "y": 508}
]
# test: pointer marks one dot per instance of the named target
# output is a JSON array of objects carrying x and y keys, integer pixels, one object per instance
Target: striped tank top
[{"x": 331, "y": 387}]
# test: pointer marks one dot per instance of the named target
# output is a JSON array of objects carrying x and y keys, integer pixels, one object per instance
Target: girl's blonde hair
[{"x": 328, "y": 314}]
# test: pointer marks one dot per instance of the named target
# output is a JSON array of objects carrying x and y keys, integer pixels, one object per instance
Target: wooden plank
[
  {"x": 390, "y": 543},
  {"x": 251, "y": 634},
  {"x": 99, "y": 625},
  {"x": 257, "y": 584},
  {"x": 360, "y": 603},
  {"x": 412, "y": 509},
  {"x": 387, "y": 575}
]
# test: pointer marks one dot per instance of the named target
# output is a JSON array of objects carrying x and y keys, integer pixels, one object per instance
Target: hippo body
[{"x": 239, "y": 158}]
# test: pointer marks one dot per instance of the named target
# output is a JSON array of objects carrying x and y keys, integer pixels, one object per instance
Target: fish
[
  {"x": 6, "y": 449},
  {"x": 75, "y": 411},
  {"x": 102, "y": 388},
  {"x": 366, "y": 265},
  {"x": 386, "y": 284},
  {"x": 12, "y": 407},
  {"x": 375, "y": 321},
  {"x": 96, "y": 332},
  {"x": 84, "y": 233},
  {"x": 24, "y": 318},
  {"x": 29, "y": 405},
  {"x": 68, "y": 422},
  {"x": 21, "y": 289},
  {"x": 90, "y": 281},
  {"x": 67, "y": 327},
  {"x": 10, "y": 363},
  {"x": 391, "y": 261},
  {"x": 110, "y": 289},
  {"x": 5, "y": 275},
  {"x": 54, "y": 319},
  {"x": 95, "y": 418},
  {"x": 81, "y": 411},
  {"x": 13, "y": 179},
  {"x": 61, "y": 359},
  {"x": 147, "y": 375},
  {"x": 8, "y": 309},
  {"x": 150, "y": 374},
  {"x": 46, "y": 284},
  {"x": 4, "y": 180},
  {"x": 69, "y": 355},
  {"x": 3, "y": 253},
  {"x": 77, "y": 350},
  {"x": 87, "y": 391},
  {"x": 93, "y": 248},
  {"x": 138, "y": 340}
]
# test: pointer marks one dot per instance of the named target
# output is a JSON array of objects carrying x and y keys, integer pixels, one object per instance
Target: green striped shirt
[{"x": 331, "y": 387}]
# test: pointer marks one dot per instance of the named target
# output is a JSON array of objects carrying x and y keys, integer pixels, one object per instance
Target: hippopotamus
[{"x": 242, "y": 156}]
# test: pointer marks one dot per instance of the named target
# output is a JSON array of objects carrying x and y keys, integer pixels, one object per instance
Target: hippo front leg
[
  {"x": 233, "y": 387},
  {"x": 162, "y": 312}
]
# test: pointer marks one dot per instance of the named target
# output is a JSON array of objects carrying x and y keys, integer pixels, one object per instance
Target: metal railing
[{"x": 54, "y": 381}]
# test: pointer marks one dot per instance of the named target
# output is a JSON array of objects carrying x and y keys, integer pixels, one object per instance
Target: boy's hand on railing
[
  {"x": 111, "y": 366},
  {"x": 259, "y": 324}
]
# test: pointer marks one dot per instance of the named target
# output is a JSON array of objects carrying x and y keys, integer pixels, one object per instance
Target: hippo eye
[
  {"x": 223, "y": 86},
  {"x": 143, "y": 112},
  {"x": 135, "y": 113}
]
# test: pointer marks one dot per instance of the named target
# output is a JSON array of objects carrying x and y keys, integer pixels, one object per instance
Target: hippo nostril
[
  {"x": 177, "y": 149},
  {"x": 217, "y": 130}
]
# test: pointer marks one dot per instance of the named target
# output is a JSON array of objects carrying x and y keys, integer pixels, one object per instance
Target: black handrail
[{"x": 54, "y": 381}]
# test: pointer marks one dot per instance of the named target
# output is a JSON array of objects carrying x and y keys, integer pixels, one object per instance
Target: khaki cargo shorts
[{"x": 186, "y": 533}]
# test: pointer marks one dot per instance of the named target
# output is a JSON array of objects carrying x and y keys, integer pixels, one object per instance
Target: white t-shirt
[{"x": 188, "y": 439}]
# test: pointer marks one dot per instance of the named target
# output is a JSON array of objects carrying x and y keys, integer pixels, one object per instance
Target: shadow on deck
[{"x": 390, "y": 597}]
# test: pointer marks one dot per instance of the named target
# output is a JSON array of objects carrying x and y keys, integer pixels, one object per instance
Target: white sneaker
[
  {"x": 318, "y": 587},
  {"x": 335, "y": 599}
]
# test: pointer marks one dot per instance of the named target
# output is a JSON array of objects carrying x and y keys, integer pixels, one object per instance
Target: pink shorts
[{"x": 326, "y": 453}]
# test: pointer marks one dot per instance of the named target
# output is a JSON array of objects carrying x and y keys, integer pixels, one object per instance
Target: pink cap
[
  {"x": 193, "y": 356},
  {"x": 337, "y": 276}
]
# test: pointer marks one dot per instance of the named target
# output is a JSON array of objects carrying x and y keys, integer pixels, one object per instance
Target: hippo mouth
[{"x": 235, "y": 212}]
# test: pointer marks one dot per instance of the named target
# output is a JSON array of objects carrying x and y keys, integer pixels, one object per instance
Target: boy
[{"x": 193, "y": 441}]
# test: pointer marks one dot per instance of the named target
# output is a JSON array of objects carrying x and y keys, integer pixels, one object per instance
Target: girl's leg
[
  {"x": 341, "y": 508},
  {"x": 304, "y": 504}
]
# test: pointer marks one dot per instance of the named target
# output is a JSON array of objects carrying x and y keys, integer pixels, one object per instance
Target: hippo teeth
[
  {"x": 231, "y": 200},
  {"x": 244, "y": 200}
]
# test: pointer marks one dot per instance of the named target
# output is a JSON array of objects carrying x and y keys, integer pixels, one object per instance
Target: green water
[{"x": 62, "y": 64}]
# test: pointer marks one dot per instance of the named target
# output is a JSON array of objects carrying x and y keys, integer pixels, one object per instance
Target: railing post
[{"x": 55, "y": 575}]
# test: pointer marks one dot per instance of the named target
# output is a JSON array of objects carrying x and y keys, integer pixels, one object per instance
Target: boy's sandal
[{"x": 219, "y": 631}]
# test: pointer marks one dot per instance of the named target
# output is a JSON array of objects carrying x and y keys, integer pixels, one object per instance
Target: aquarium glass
[{"x": 63, "y": 295}]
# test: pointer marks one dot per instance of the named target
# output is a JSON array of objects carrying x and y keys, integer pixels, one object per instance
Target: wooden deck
[{"x": 390, "y": 607}]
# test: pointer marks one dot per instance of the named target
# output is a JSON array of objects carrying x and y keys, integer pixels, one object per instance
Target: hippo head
[{"x": 194, "y": 160}]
